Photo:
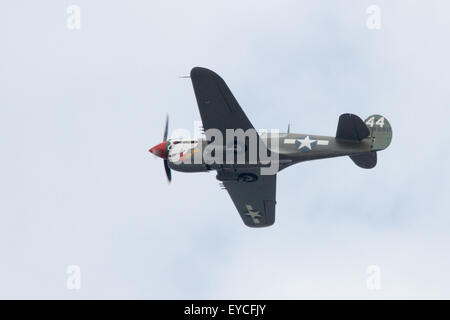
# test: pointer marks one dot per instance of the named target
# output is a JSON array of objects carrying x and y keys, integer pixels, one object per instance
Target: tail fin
[
  {"x": 352, "y": 128},
  {"x": 375, "y": 127}
]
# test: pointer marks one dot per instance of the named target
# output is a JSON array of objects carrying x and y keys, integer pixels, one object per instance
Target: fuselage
[{"x": 286, "y": 148}]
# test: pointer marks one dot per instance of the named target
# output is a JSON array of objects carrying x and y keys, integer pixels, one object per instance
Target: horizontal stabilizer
[
  {"x": 351, "y": 127},
  {"x": 365, "y": 160}
]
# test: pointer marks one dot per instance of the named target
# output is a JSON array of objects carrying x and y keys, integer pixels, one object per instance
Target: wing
[
  {"x": 218, "y": 107},
  {"x": 255, "y": 200}
]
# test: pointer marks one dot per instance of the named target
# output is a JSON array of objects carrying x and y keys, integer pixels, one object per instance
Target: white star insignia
[{"x": 305, "y": 143}]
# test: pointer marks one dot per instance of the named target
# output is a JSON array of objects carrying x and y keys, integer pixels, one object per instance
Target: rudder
[{"x": 380, "y": 132}]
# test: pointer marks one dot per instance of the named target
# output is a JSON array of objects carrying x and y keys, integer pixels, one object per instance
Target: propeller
[
  {"x": 166, "y": 163},
  {"x": 168, "y": 171},
  {"x": 166, "y": 129},
  {"x": 160, "y": 150}
]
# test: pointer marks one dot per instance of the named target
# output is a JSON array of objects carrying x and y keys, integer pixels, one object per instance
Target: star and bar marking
[
  {"x": 253, "y": 214},
  {"x": 306, "y": 143}
]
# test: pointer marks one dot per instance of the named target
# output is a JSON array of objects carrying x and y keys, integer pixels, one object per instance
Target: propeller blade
[
  {"x": 168, "y": 172},
  {"x": 166, "y": 129}
]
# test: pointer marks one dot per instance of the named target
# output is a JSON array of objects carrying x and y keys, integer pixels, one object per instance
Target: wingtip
[{"x": 198, "y": 71}]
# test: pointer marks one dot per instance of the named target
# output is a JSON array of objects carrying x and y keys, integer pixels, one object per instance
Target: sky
[{"x": 79, "y": 109}]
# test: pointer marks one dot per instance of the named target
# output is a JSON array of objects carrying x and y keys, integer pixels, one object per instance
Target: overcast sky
[{"x": 80, "y": 108}]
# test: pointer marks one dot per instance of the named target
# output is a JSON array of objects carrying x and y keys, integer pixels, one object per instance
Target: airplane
[{"x": 254, "y": 193}]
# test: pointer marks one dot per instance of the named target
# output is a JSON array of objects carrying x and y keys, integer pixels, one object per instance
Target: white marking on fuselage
[
  {"x": 319, "y": 142},
  {"x": 305, "y": 143},
  {"x": 180, "y": 148}
]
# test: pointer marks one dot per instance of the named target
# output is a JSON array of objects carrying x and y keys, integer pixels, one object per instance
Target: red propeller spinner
[{"x": 159, "y": 150}]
